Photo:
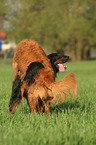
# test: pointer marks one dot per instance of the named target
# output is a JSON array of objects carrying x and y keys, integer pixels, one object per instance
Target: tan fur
[
  {"x": 45, "y": 87},
  {"x": 63, "y": 87},
  {"x": 29, "y": 51}
]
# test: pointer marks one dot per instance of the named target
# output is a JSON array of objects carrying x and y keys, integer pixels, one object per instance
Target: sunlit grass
[{"x": 72, "y": 123}]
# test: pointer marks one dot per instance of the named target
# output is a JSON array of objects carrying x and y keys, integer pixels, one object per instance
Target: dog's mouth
[
  {"x": 61, "y": 67},
  {"x": 59, "y": 63}
]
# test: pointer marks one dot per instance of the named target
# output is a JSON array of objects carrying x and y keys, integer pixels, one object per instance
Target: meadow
[{"x": 70, "y": 123}]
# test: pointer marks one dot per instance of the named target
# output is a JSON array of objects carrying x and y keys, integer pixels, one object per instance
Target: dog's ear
[
  {"x": 57, "y": 58},
  {"x": 62, "y": 59},
  {"x": 52, "y": 56},
  {"x": 32, "y": 71}
]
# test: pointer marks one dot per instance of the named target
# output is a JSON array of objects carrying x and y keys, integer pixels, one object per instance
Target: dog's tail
[{"x": 59, "y": 90}]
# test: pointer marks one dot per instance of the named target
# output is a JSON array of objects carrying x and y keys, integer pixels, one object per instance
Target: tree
[
  {"x": 62, "y": 25},
  {"x": 3, "y": 12}
]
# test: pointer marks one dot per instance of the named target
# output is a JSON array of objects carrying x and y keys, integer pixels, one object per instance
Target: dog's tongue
[{"x": 61, "y": 67}]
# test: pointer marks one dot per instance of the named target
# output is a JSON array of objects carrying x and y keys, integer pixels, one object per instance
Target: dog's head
[{"x": 57, "y": 59}]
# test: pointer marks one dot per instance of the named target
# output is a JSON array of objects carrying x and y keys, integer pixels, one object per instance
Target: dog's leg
[
  {"x": 16, "y": 94},
  {"x": 46, "y": 105},
  {"x": 39, "y": 105},
  {"x": 43, "y": 107},
  {"x": 12, "y": 107},
  {"x": 32, "y": 103}
]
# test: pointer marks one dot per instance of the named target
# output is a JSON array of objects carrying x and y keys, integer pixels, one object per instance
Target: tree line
[{"x": 59, "y": 25}]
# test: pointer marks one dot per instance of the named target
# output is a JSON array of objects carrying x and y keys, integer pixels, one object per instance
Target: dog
[
  {"x": 35, "y": 77},
  {"x": 56, "y": 59}
]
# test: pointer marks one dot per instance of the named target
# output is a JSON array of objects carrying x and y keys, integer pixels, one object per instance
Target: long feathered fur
[
  {"x": 36, "y": 74},
  {"x": 64, "y": 87}
]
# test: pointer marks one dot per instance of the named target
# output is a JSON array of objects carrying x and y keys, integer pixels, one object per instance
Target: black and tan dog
[
  {"x": 56, "y": 59},
  {"x": 34, "y": 76}
]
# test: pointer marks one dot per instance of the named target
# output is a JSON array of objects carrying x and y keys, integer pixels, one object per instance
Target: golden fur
[{"x": 45, "y": 88}]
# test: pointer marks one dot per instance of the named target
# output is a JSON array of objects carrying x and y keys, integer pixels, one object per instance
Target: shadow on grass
[{"x": 66, "y": 107}]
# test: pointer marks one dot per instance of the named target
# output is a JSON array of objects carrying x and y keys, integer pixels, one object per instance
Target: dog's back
[{"x": 29, "y": 51}]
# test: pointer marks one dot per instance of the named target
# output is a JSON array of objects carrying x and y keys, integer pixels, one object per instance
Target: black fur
[
  {"x": 56, "y": 57},
  {"x": 29, "y": 78},
  {"x": 32, "y": 71},
  {"x": 16, "y": 90}
]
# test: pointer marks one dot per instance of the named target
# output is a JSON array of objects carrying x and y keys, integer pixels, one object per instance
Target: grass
[{"x": 72, "y": 123}]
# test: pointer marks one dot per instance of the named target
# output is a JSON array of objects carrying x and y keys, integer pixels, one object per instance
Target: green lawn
[{"x": 72, "y": 123}]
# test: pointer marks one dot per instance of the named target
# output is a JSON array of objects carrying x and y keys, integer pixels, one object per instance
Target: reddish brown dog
[{"x": 34, "y": 78}]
